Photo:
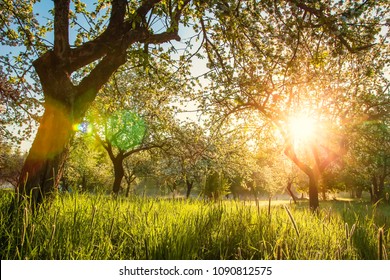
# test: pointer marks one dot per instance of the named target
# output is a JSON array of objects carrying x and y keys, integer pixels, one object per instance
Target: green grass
[{"x": 83, "y": 226}]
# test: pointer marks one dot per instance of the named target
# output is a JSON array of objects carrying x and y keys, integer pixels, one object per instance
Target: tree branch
[
  {"x": 331, "y": 25},
  {"x": 61, "y": 28},
  {"x": 117, "y": 16},
  {"x": 107, "y": 146},
  {"x": 90, "y": 85},
  {"x": 316, "y": 155},
  {"x": 145, "y": 7},
  {"x": 120, "y": 34},
  {"x": 143, "y": 148},
  {"x": 289, "y": 152},
  {"x": 332, "y": 156},
  {"x": 113, "y": 37}
]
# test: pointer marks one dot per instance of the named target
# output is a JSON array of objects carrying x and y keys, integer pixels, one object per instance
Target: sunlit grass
[{"x": 98, "y": 227}]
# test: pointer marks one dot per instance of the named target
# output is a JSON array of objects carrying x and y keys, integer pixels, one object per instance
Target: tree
[
  {"x": 127, "y": 137},
  {"x": 11, "y": 162},
  {"x": 137, "y": 166},
  {"x": 87, "y": 168},
  {"x": 230, "y": 160},
  {"x": 371, "y": 156},
  {"x": 71, "y": 75},
  {"x": 15, "y": 112},
  {"x": 186, "y": 153},
  {"x": 278, "y": 59},
  {"x": 129, "y": 118}
]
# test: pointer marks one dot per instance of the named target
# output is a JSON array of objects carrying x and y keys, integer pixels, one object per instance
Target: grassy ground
[{"x": 98, "y": 227}]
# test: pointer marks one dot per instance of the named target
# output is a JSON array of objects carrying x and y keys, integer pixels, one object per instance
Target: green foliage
[
  {"x": 125, "y": 130},
  {"x": 79, "y": 226},
  {"x": 87, "y": 167},
  {"x": 216, "y": 186},
  {"x": 16, "y": 120},
  {"x": 11, "y": 162}
]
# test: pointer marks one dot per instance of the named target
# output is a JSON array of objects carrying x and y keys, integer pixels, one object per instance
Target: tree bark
[
  {"x": 312, "y": 173},
  {"x": 378, "y": 187},
  {"x": 323, "y": 189},
  {"x": 313, "y": 192},
  {"x": 119, "y": 173},
  {"x": 84, "y": 182},
  {"x": 129, "y": 179},
  {"x": 43, "y": 166},
  {"x": 65, "y": 105},
  {"x": 189, "y": 184},
  {"x": 293, "y": 196}
]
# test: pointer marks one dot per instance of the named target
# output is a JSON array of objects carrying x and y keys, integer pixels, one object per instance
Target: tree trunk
[
  {"x": 65, "y": 102},
  {"x": 313, "y": 192},
  {"x": 84, "y": 182},
  {"x": 378, "y": 186},
  {"x": 128, "y": 190},
  {"x": 359, "y": 192},
  {"x": 312, "y": 173},
  {"x": 43, "y": 166},
  {"x": 372, "y": 195},
  {"x": 64, "y": 106},
  {"x": 323, "y": 189},
  {"x": 294, "y": 197},
  {"x": 189, "y": 187},
  {"x": 129, "y": 179},
  {"x": 119, "y": 173}
]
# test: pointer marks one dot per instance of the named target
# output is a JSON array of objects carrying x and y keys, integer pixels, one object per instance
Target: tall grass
[{"x": 81, "y": 226}]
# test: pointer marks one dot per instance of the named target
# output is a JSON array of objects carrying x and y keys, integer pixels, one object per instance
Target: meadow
[{"x": 98, "y": 227}]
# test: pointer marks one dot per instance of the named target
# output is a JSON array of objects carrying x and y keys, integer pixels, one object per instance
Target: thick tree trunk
[
  {"x": 119, "y": 173},
  {"x": 43, "y": 167},
  {"x": 313, "y": 192},
  {"x": 64, "y": 105},
  {"x": 313, "y": 173}
]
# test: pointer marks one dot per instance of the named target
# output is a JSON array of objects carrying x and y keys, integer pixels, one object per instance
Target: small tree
[
  {"x": 370, "y": 156},
  {"x": 216, "y": 186},
  {"x": 87, "y": 167},
  {"x": 11, "y": 162}
]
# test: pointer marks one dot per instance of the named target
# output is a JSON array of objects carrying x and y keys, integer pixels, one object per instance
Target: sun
[{"x": 302, "y": 128}]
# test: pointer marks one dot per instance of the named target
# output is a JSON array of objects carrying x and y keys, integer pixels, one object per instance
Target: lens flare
[{"x": 83, "y": 127}]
